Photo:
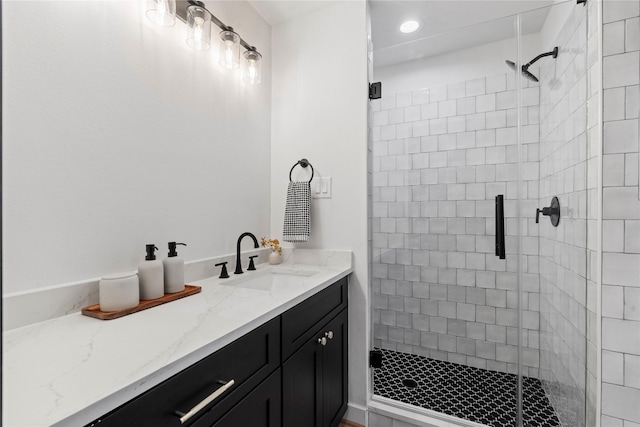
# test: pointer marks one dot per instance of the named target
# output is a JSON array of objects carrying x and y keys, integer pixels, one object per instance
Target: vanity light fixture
[{"x": 199, "y": 19}]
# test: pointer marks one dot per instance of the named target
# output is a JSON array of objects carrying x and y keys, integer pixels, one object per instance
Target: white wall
[
  {"x": 116, "y": 134},
  {"x": 460, "y": 65},
  {"x": 320, "y": 113}
]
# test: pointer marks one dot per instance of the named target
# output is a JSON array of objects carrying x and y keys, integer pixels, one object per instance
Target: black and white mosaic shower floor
[{"x": 479, "y": 395}]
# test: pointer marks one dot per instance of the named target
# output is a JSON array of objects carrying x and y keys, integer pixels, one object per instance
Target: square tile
[
  {"x": 613, "y": 35},
  {"x": 614, "y": 104},
  {"x": 621, "y": 70},
  {"x": 632, "y": 303},
  {"x": 615, "y": 10},
  {"x": 621, "y": 402},
  {"x": 632, "y": 236},
  {"x": 621, "y": 136}
]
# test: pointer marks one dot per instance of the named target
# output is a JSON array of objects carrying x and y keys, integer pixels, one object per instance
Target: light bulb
[
  {"x": 252, "y": 69},
  {"x": 229, "y": 49},
  {"x": 228, "y": 52},
  {"x": 252, "y": 72},
  {"x": 198, "y": 27},
  {"x": 197, "y": 32}
]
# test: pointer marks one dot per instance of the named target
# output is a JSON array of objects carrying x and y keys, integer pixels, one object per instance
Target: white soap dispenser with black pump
[
  {"x": 151, "y": 276},
  {"x": 173, "y": 270}
]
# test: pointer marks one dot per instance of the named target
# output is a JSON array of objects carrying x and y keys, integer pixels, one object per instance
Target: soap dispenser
[
  {"x": 151, "y": 275},
  {"x": 173, "y": 270}
]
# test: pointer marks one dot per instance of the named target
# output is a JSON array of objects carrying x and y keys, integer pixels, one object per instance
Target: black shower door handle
[{"x": 500, "y": 250}]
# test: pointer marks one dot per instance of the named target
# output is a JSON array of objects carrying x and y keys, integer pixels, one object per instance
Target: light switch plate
[{"x": 321, "y": 188}]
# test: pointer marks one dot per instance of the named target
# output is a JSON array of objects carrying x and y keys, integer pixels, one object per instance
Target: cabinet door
[
  {"x": 314, "y": 379},
  {"x": 260, "y": 408},
  {"x": 334, "y": 369},
  {"x": 302, "y": 387}
]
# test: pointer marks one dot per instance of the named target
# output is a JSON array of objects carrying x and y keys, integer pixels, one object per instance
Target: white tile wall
[
  {"x": 621, "y": 216},
  {"x": 436, "y": 233}
]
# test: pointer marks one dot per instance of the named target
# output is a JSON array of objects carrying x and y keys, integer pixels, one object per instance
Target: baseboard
[{"x": 356, "y": 415}]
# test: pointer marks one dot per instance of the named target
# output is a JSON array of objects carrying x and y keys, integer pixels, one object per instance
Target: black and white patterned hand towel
[{"x": 297, "y": 212}]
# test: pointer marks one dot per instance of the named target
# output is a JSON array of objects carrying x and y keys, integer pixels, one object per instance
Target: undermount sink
[{"x": 267, "y": 280}]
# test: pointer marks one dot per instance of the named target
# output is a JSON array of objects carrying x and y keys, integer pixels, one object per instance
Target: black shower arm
[{"x": 554, "y": 52}]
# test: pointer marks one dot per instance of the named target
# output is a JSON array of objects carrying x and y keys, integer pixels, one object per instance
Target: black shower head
[
  {"x": 529, "y": 76},
  {"x": 525, "y": 72},
  {"x": 525, "y": 67}
]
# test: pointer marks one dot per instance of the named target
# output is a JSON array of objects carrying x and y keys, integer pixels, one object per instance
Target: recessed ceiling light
[{"x": 409, "y": 26}]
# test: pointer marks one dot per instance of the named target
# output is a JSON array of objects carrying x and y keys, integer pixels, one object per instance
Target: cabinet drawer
[
  {"x": 247, "y": 361},
  {"x": 260, "y": 408},
  {"x": 300, "y": 323}
]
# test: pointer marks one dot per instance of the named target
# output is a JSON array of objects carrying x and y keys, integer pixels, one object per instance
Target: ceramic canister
[
  {"x": 119, "y": 291},
  {"x": 275, "y": 258}
]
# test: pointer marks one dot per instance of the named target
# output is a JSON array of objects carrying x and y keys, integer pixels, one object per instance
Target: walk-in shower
[{"x": 463, "y": 148}]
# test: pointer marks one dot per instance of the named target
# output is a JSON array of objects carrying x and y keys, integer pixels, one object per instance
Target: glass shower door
[
  {"x": 462, "y": 332},
  {"x": 554, "y": 142},
  {"x": 445, "y": 228}
]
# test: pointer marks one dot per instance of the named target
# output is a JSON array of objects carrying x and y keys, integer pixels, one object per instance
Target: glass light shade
[
  {"x": 252, "y": 73},
  {"x": 229, "y": 49},
  {"x": 162, "y": 12},
  {"x": 198, "y": 28}
]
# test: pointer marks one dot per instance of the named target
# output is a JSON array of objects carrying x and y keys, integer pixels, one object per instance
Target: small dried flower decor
[{"x": 273, "y": 244}]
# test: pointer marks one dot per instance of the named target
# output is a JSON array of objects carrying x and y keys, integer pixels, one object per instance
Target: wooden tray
[{"x": 94, "y": 310}]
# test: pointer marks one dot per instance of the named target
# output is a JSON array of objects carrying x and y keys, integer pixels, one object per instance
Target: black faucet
[{"x": 238, "y": 263}]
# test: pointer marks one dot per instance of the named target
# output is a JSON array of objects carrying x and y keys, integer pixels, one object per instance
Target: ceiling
[
  {"x": 481, "y": 20},
  {"x": 447, "y": 25},
  {"x": 278, "y": 11}
]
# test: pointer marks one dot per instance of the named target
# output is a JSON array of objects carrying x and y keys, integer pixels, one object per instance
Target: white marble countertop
[{"x": 72, "y": 369}]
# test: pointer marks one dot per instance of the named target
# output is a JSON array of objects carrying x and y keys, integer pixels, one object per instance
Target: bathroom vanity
[
  {"x": 292, "y": 369},
  {"x": 267, "y": 348}
]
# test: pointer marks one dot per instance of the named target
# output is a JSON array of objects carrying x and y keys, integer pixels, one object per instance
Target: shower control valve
[{"x": 552, "y": 211}]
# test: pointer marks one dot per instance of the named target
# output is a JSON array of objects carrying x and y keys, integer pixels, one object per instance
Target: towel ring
[{"x": 304, "y": 163}]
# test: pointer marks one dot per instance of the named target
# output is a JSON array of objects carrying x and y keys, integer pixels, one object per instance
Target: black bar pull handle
[{"x": 500, "y": 243}]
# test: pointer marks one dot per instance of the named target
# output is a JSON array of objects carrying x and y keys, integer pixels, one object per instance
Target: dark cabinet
[
  {"x": 314, "y": 378},
  {"x": 291, "y": 371}
]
